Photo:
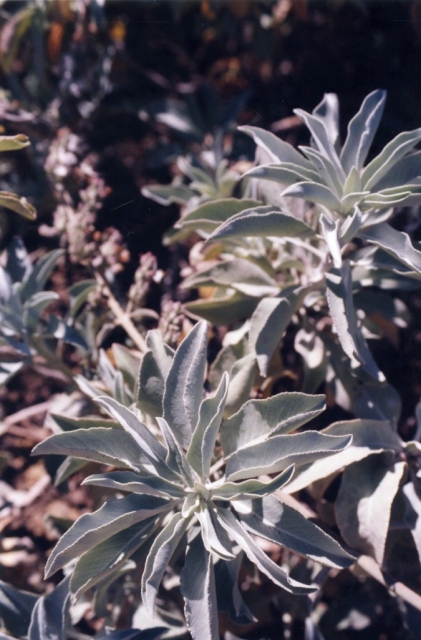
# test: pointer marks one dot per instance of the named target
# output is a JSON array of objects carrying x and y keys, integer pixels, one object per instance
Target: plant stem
[{"x": 122, "y": 317}]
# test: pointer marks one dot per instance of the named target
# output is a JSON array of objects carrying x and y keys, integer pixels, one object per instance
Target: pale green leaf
[
  {"x": 389, "y": 156},
  {"x": 198, "y": 590},
  {"x": 135, "y": 483},
  {"x": 224, "y": 309},
  {"x": 258, "y": 420},
  {"x": 397, "y": 243},
  {"x": 108, "y": 556},
  {"x": 18, "y": 204},
  {"x": 238, "y": 273},
  {"x": 364, "y": 503},
  {"x": 107, "y": 446},
  {"x": 261, "y": 222},
  {"x": 279, "y": 150},
  {"x": 159, "y": 556},
  {"x": 361, "y": 131},
  {"x": 154, "y": 369},
  {"x": 270, "y": 320},
  {"x": 279, "y": 452},
  {"x": 37, "y": 278},
  {"x": 251, "y": 488},
  {"x": 209, "y": 215},
  {"x": 259, "y": 558},
  {"x": 200, "y": 452},
  {"x": 14, "y": 143},
  {"x": 275, "y": 521},
  {"x": 213, "y": 534},
  {"x": 184, "y": 385},
  {"x": 286, "y": 173},
  {"x": 368, "y": 436},
  {"x": 317, "y": 193},
  {"x": 92, "y": 528}
]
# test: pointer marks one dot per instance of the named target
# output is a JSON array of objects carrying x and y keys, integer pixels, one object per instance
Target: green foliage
[{"x": 181, "y": 484}]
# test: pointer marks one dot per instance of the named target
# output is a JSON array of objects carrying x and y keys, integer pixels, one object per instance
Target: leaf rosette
[{"x": 199, "y": 480}]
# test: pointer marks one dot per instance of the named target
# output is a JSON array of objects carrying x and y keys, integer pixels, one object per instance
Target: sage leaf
[
  {"x": 198, "y": 590},
  {"x": 364, "y": 503},
  {"x": 275, "y": 521},
  {"x": 183, "y": 392},
  {"x": 92, "y": 528}
]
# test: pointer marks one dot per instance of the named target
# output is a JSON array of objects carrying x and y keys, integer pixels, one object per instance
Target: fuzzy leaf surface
[
  {"x": 258, "y": 420},
  {"x": 92, "y": 528},
  {"x": 280, "y": 523}
]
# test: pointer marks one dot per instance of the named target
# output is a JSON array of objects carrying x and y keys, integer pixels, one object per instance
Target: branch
[{"x": 122, "y": 318}]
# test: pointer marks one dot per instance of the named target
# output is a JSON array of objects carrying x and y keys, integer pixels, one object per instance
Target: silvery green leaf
[
  {"x": 389, "y": 156},
  {"x": 364, "y": 503},
  {"x": 328, "y": 111},
  {"x": 275, "y": 521},
  {"x": 229, "y": 306},
  {"x": 200, "y": 452},
  {"x": 406, "y": 171},
  {"x": 214, "y": 536},
  {"x": 198, "y": 590},
  {"x": 361, "y": 131},
  {"x": 135, "y": 483},
  {"x": 18, "y": 265},
  {"x": 396, "y": 243},
  {"x": 70, "y": 424},
  {"x": 325, "y": 168},
  {"x": 350, "y": 226},
  {"x": 353, "y": 182},
  {"x": 261, "y": 222},
  {"x": 168, "y": 194},
  {"x": 322, "y": 140},
  {"x": 78, "y": 294},
  {"x": 184, "y": 392},
  {"x": 146, "y": 442},
  {"x": 368, "y": 437},
  {"x": 175, "y": 458},
  {"x": 379, "y": 201},
  {"x": 360, "y": 198},
  {"x": 259, "y": 558},
  {"x": 16, "y": 607},
  {"x": 258, "y": 420},
  {"x": 341, "y": 305},
  {"x": 356, "y": 391},
  {"x": 154, "y": 369},
  {"x": 159, "y": 556},
  {"x": 241, "y": 379},
  {"x": 108, "y": 556},
  {"x": 270, "y": 320},
  {"x": 330, "y": 231},
  {"x": 127, "y": 363},
  {"x": 278, "y": 150},
  {"x": 18, "y": 204},
  {"x": 107, "y": 446},
  {"x": 48, "y": 618},
  {"x": 252, "y": 488},
  {"x": 228, "y": 592},
  {"x": 413, "y": 514},
  {"x": 34, "y": 306},
  {"x": 286, "y": 173},
  {"x": 210, "y": 215},
  {"x": 68, "y": 467},
  {"x": 190, "y": 505},
  {"x": 88, "y": 388},
  {"x": 92, "y": 528},
  {"x": 37, "y": 278},
  {"x": 317, "y": 193},
  {"x": 279, "y": 452}
]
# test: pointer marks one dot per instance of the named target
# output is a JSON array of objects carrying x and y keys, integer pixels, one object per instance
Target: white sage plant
[{"x": 196, "y": 483}]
